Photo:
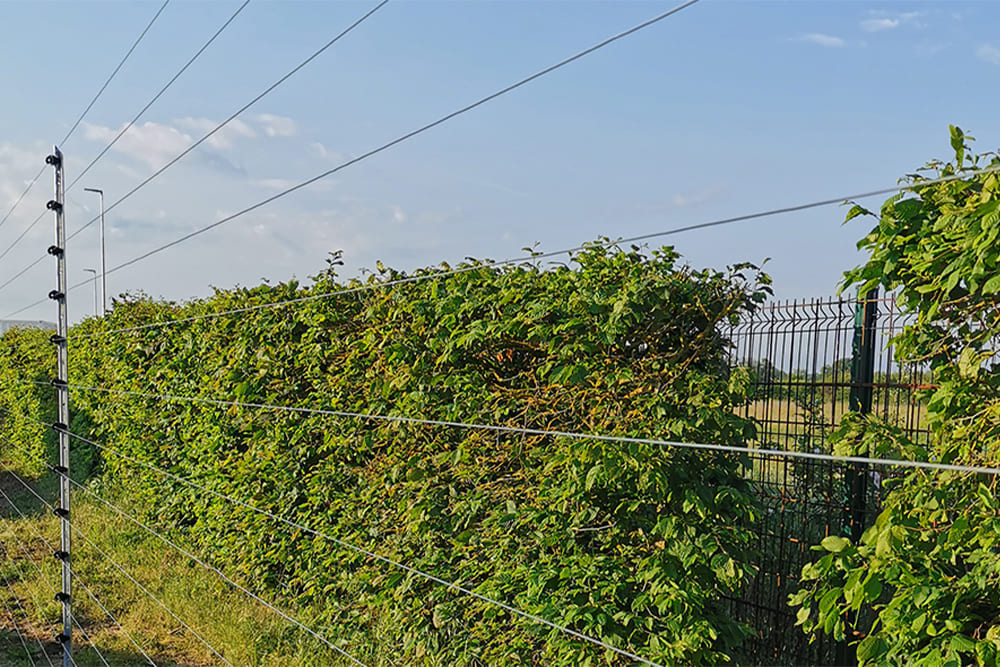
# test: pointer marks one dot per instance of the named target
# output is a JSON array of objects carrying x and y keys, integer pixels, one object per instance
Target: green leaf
[{"x": 835, "y": 543}]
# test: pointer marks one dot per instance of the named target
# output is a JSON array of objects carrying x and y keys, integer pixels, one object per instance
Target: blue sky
[{"x": 725, "y": 108}]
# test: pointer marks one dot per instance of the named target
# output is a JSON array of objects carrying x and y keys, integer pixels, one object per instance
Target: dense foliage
[
  {"x": 633, "y": 544},
  {"x": 928, "y": 571}
]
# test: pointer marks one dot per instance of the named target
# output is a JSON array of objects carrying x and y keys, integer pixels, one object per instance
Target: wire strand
[
  {"x": 24, "y": 611},
  {"x": 221, "y": 125},
  {"x": 86, "y": 588},
  {"x": 41, "y": 577},
  {"x": 373, "y": 555},
  {"x": 407, "y": 136},
  {"x": 575, "y": 435},
  {"x": 89, "y": 107},
  {"x": 17, "y": 627},
  {"x": 121, "y": 133},
  {"x": 517, "y": 260},
  {"x": 145, "y": 590},
  {"x": 118, "y": 567},
  {"x": 217, "y": 571},
  {"x": 162, "y": 90}
]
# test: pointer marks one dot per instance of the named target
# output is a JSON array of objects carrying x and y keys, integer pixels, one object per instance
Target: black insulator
[
  {"x": 53, "y": 205},
  {"x": 61, "y": 638},
  {"x": 61, "y": 512},
  {"x": 62, "y": 470},
  {"x": 62, "y": 597},
  {"x": 55, "y": 251},
  {"x": 56, "y": 295},
  {"x": 59, "y": 383},
  {"x": 52, "y": 160},
  {"x": 58, "y": 426},
  {"x": 61, "y": 555},
  {"x": 56, "y": 339}
]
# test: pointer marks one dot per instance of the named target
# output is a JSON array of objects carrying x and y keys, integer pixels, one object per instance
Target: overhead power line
[
  {"x": 517, "y": 260},
  {"x": 197, "y": 143},
  {"x": 124, "y": 130},
  {"x": 97, "y": 96},
  {"x": 239, "y": 111},
  {"x": 405, "y": 137}
]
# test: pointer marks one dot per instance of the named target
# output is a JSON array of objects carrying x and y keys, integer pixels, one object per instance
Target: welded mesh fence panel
[{"x": 800, "y": 357}]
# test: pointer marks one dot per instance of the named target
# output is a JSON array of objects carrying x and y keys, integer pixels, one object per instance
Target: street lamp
[
  {"x": 104, "y": 277},
  {"x": 96, "y": 305}
]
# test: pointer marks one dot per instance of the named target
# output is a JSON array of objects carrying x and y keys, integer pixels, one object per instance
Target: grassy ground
[{"x": 242, "y": 630}]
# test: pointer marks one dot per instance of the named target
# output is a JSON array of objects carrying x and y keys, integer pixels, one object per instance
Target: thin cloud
[
  {"x": 878, "y": 25},
  {"x": 828, "y": 41},
  {"x": 880, "y": 21},
  {"x": 988, "y": 53},
  {"x": 151, "y": 143},
  {"x": 276, "y": 126},
  {"x": 225, "y": 137}
]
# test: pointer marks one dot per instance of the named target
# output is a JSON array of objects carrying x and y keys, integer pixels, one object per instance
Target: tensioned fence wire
[{"x": 117, "y": 566}]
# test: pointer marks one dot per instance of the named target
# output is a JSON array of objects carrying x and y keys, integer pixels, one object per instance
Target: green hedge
[{"x": 633, "y": 544}]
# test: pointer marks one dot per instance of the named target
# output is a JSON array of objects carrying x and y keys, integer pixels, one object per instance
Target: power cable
[
  {"x": 405, "y": 137},
  {"x": 221, "y": 574},
  {"x": 666, "y": 444},
  {"x": 89, "y": 107},
  {"x": 128, "y": 125},
  {"x": 517, "y": 260},
  {"x": 246, "y": 106},
  {"x": 371, "y": 554},
  {"x": 200, "y": 141}
]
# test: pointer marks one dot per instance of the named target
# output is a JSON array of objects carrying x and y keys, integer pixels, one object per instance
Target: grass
[{"x": 241, "y": 629}]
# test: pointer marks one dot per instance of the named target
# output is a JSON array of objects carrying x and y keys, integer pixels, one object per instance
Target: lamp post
[
  {"x": 96, "y": 306},
  {"x": 104, "y": 278}
]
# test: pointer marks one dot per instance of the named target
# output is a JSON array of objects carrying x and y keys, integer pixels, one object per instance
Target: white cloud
[
  {"x": 322, "y": 152},
  {"x": 989, "y": 53},
  {"x": 398, "y": 215},
  {"x": 152, "y": 143},
  {"x": 225, "y": 137},
  {"x": 879, "y": 21},
  {"x": 276, "y": 126},
  {"x": 823, "y": 40},
  {"x": 877, "y": 25}
]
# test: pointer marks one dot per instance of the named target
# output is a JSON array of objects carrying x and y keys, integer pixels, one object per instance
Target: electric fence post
[{"x": 61, "y": 383}]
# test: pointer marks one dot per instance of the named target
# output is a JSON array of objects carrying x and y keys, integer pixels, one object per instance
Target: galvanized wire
[
  {"x": 27, "y": 555},
  {"x": 375, "y": 556},
  {"x": 121, "y": 569},
  {"x": 575, "y": 435},
  {"x": 184, "y": 552},
  {"x": 17, "y": 627},
  {"x": 114, "y": 619},
  {"x": 436, "y": 275}
]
